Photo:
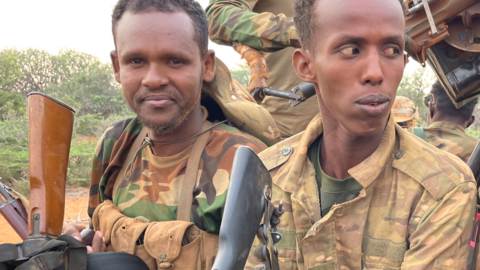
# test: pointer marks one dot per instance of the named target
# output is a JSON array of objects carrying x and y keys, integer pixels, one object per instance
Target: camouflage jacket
[
  {"x": 154, "y": 191},
  {"x": 249, "y": 22},
  {"x": 266, "y": 25},
  {"x": 451, "y": 138},
  {"x": 415, "y": 210}
]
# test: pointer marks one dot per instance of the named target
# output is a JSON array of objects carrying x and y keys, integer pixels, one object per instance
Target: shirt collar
[
  {"x": 368, "y": 170},
  {"x": 445, "y": 125}
]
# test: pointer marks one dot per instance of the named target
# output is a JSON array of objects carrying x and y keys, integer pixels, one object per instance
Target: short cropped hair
[
  {"x": 445, "y": 105},
  {"x": 191, "y": 7},
  {"x": 304, "y": 19}
]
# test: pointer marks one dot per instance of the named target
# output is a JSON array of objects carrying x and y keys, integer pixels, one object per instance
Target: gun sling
[{"x": 52, "y": 255}]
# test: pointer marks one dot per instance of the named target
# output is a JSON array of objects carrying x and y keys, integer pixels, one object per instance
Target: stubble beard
[{"x": 176, "y": 121}]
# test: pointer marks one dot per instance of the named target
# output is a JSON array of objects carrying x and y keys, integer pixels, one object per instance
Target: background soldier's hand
[
  {"x": 98, "y": 243},
  {"x": 73, "y": 230}
]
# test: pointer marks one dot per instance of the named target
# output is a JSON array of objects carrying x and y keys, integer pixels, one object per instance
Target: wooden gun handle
[
  {"x": 50, "y": 127},
  {"x": 258, "y": 67}
]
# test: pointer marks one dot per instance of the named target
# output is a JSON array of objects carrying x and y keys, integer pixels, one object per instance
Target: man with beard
[
  {"x": 162, "y": 177},
  {"x": 360, "y": 192}
]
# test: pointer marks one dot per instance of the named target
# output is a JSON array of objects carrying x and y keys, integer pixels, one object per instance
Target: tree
[
  {"x": 241, "y": 73},
  {"x": 76, "y": 78},
  {"x": 414, "y": 86}
]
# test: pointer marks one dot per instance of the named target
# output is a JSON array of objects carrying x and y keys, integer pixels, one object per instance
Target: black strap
[{"x": 53, "y": 254}]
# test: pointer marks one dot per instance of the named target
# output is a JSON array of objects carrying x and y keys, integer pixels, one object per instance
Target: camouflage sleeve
[
  {"x": 441, "y": 239},
  {"x": 234, "y": 20},
  {"x": 96, "y": 175}
]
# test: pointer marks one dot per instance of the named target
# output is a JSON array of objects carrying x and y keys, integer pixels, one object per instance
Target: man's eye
[
  {"x": 350, "y": 51},
  {"x": 391, "y": 51},
  {"x": 175, "y": 61},
  {"x": 136, "y": 61}
]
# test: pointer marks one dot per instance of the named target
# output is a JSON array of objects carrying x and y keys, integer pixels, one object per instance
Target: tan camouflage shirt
[
  {"x": 415, "y": 210},
  {"x": 266, "y": 25},
  {"x": 154, "y": 190},
  {"x": 451, "y": 138}
]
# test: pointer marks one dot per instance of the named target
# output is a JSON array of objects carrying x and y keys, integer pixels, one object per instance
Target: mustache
[
  {"x": 373, "y": 99},
  {"x": 163, "y": 94}
]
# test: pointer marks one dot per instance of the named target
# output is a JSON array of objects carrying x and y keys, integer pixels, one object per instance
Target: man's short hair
[
  {"x": 305, "y": 20},
  {"x": 191, "y": 7},
  {"x": 445, "y": 105}
]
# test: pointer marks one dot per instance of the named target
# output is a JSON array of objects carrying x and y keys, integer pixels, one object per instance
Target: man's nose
[
  {"x": 155, "y": 77},
  {"x": 373, "y": 69}
]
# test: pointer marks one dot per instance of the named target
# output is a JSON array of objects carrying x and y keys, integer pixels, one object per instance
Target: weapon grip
[
  {"x": 258, "y": 67},
  {"x": 50, "y": 127},
  {"x": 87, "y": 236}
]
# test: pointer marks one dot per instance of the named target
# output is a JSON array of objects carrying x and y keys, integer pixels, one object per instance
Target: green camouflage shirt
[
  {"x": 154, "y": 190},
  {"x": 247, "y": 22},
  {"x": 266, "y": 25},
  {"x": 451, "y": 138},
  {"x": 415, "y": 210}
]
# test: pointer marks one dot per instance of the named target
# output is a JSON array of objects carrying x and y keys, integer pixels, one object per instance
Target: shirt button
[
  {"x": 399, "y": 154},
  {"x": 286, "y": 151}
]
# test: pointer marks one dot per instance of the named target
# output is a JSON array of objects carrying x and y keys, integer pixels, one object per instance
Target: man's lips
[
  {"x": 373, "y": 104},
  {"x": 158, "y": 101}
]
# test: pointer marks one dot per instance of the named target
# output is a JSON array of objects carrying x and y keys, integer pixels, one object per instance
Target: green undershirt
[{"x": 332, "y": 191}]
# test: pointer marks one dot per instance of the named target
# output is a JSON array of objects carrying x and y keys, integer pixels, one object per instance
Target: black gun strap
[{"x": 54, "y": 253}]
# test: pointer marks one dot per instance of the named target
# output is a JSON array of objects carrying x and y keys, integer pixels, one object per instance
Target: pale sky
[{"x": 81, "y": 25}]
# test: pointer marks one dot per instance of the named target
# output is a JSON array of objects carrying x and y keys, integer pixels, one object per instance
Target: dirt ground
[{"x": 75, "y": 211}]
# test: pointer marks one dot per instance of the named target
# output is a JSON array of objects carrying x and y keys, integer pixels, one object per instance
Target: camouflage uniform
[
  {"x": 266, "y": 25},
  {"x": 154, "y": 190},
  {"x": 451, "y": 138},
  {"x": 415, "y": 210}
]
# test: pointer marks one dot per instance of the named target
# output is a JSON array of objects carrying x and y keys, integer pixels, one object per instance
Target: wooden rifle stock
[{"x": 50, "y": 125}]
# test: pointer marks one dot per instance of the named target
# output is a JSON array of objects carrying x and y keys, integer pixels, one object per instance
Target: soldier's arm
[
  {"x": 441, "y": 239},
  {"x": 234, "y": 21}
]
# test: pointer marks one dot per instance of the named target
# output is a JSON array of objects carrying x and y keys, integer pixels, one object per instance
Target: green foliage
[
  {"x": 14, "y": 148},
  {"x": 11, "y": 105},
  {"x": 414, "y": 86},
  {"x": 241, "y": 73},
  {"x": 473, "y": 132},
  {"x": 75, "y": 78}
]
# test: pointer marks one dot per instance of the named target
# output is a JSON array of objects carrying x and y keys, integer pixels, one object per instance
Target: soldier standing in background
[
  {"x": 266, "y": 25},
  {"x": 404, "y": 112},
  {"x": 447, "y": 124}
]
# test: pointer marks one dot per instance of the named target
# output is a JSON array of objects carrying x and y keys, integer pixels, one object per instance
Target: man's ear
[
  {"x": 405, "y": 60},
  {"x": 303, "y": 66},
  {"x": 209, "y": 66},
  {"x": 116, "y": 65},
  {"x": 470, "y": 121}
]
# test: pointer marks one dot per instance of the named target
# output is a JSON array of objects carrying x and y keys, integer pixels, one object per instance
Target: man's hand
[
  {"x": 98, "y": 242},
  {"x": 73, "y": 230}
]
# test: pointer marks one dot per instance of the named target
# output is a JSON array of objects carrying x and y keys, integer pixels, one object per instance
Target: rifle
[
  {"x": 474, "y": 164},
  {"x": 258, "y": 81},
  {"x": 50, "y": 132},
  {"x": 248, "y": 201},
  {"x": 14, "y": 212}
]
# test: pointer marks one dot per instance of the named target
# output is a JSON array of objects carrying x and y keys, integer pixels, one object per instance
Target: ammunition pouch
[{"x": 162, "y": 242}]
